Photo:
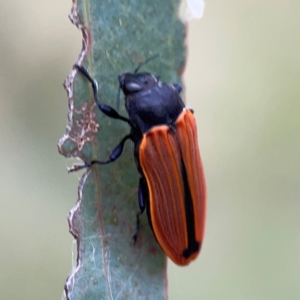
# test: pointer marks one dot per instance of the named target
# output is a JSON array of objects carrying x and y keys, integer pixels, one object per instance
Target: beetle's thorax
[{"x": 150, "y": 102}]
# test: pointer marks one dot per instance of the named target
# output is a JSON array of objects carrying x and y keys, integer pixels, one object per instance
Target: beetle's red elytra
[{"x": 171, "y": 163}]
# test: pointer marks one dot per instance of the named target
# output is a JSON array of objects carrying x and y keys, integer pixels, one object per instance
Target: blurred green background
[{"x": 242, "y": 79}]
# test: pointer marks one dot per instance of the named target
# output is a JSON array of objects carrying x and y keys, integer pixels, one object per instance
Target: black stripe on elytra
[{"x": 193, "y": 245}]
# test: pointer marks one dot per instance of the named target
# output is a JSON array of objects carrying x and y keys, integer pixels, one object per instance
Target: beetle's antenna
[{"x": 146, "y": 61}]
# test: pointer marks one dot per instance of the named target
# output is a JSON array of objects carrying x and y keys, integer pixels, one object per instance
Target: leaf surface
[{"x": 117, "y": 36}]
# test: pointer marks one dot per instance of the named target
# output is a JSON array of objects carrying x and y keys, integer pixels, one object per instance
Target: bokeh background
[{"x": 242, "y": 79}]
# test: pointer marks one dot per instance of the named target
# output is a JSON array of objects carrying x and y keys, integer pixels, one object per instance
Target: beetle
[{"x": 172, "y": 184}]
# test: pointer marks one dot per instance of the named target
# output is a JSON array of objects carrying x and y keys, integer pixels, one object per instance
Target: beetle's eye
[{"x": 133, "y": 87}]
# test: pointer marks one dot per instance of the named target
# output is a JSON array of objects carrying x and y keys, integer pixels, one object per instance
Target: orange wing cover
[{"x": 171, "y": 163}]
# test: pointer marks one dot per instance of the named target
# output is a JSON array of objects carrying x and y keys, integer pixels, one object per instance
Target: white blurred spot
[{"x": 191, "y": 9}]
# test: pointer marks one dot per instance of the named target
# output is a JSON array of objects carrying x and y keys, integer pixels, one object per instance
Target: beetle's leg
[
  {"x": 116, "y": 153},
  {"x": 106, "y": 109},
  {"x": 191, "y": 110},
  {"x": 137, "y": 227},
  {"x": 142, "y": 194},
  {"x": 177, "y": 87}
]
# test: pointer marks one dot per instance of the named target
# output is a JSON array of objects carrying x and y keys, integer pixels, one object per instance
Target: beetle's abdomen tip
[{"x": 193, "y": 248}]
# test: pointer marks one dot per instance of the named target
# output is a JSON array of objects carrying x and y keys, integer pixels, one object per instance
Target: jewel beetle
[{"x": 172, "y": 184}]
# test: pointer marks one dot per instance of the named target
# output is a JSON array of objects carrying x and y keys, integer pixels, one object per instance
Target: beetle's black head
[{"x": 132, "y": 83}]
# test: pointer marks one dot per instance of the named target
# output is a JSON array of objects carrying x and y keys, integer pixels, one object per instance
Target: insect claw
[
  {"x": 77, "y": 167},
  {"x": 134, "y": 239}
]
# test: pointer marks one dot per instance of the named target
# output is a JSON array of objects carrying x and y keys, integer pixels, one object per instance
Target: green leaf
[{"x": 116, "y": 38}]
